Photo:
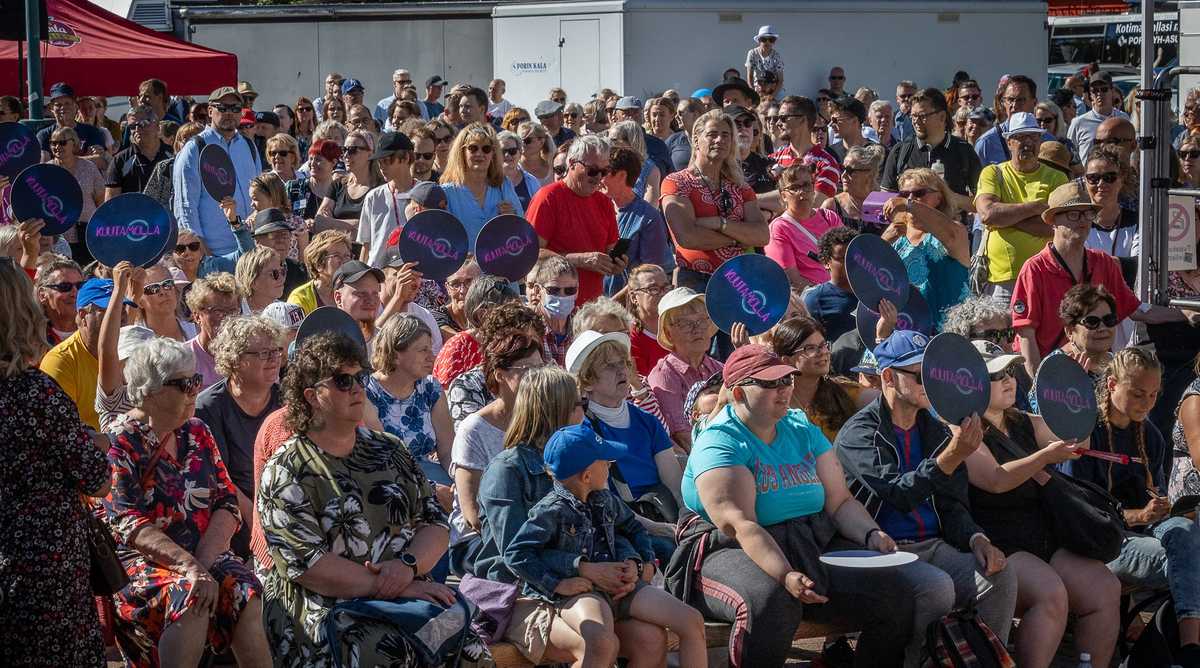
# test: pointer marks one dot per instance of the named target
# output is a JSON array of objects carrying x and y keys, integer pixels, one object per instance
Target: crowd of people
[{"x": 583, "y": 455}]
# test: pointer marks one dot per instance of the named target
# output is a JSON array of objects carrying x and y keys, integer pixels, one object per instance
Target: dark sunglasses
[
  {"x": 1093, "y": 322},
  {"x": 443, "y": 140},
  {"x": 277, "y": 274},
  {"x": 344, "y": 382},
  {"x": 65, "y": 286},
  {"x": 351, "y": 150},
  {"x": 594, "y": 172},
  {"x": 186, "y": 385},
  {"x": 1107, "y": 177},
  {"x": 1005, "y": 335},
  {"x": 1100, "y": 90},
  {"x": 1046, "y": 121},
  {"x": 560, "y": 170},
  {"x": 193, "y": 247},
  {"x": 786, "y": 381},
  {"x": 744, "y": 122},
  {"x": 834, "y": 77},
  {"x": 768, "y": 39},
  {"x": 917, "y": 194},
  {"x": 476, "y": 148},
  {"x": 1189, "y": 155},
  {"x": 423, "y": 156},
  {"x": 304, "y": 110},
  {"x": 155, "y": 288},
  {"x": 511, "y": 151},
  {"x": 560, "y": 292},
  {"x": 226, "y": 108},
  {"x": 280, "y": 154},
  {"x": 1007, "y": 372},
  {"x": 915, "y": 374}
]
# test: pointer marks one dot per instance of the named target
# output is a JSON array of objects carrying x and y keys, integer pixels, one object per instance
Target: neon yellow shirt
[{"x": 1008, "y": 248}]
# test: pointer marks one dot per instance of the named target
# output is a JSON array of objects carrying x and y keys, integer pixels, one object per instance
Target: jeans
[
  {"x": 1169, "y": 557},
  {"x": 955, "y": 582},
  {"x": 765, "y": 616}
]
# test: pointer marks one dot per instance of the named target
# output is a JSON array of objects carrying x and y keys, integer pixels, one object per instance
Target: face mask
[{"x": 558, "y": 307}]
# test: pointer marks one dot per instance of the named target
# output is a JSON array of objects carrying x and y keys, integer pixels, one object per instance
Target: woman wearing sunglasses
[
  {"x": 523, "y": 182},
  {"x": 860, "y": 177},
  {"x": 158, "y": 305},
  {"x": 537, "y": 151},
  {"x": 260, "y": 276},
  {"x": 342, "y": 207},
  {"x": 306, "y": 122},
  {"x": 1189, "y": 161},
  {"x": 795, "y": 233},
  {"x": 1089, "y": 317},
  {"x": 64, "y": 147},
  {"x": 935, "y": 248},
  {"x": 192, "y": 255},
  {"x": 1005, "y": 475},
  {"x": 443, "y": 139},
  {"x": 164, "y": 459},
  {"x": 474, "y": 183}
]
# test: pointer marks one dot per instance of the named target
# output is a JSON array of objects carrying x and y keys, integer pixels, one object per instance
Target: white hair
[
  {"x": 601, "y": 307},
  {"x": 504, "y": 135},
  {"x": 629, "y": 132},
  {"x": 154, "y": 362},
  {"x": 879, "y": 104},
  {"x": 587, "y": 145}
]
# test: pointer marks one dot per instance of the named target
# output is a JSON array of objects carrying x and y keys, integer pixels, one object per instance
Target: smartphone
[{"x": 622, "y": 248}]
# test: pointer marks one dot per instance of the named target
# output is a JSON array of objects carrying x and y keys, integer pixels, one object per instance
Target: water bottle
[
  {"x": 939, "y": 168},
  {"x": 1085, "y": 660}
]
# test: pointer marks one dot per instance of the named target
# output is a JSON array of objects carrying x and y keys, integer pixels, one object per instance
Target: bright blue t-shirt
[
  {"x": 645, "y": 437},
  {"x": 785, "y": 470}
]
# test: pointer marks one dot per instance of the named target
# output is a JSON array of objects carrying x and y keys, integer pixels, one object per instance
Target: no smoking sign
[{"x": 1181, "y": 233}]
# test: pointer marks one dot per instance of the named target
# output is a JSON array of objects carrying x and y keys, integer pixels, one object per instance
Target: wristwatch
[{"x": 409, "y": 560}]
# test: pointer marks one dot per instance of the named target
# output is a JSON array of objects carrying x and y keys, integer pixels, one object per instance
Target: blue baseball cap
[
  {"x": 868, "y": 365},
  {"x": 701, "y": 92},
  {"x": 96, "y": 291},
  {"x": 61, "y": 89},
  {"x": 903, "y": 348},
  {"x": 350, "y": 84},
  {"x": 572, "y": 449}
]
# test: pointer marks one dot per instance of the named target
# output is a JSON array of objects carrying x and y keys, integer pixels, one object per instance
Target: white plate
[{"x": 867, "y": 559}]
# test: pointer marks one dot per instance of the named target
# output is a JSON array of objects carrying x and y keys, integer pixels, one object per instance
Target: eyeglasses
[
  {"x": 799, "y": 187},
  {"x": 351, "y": 150},
  {"x": 915, "y": 374},
  {"x": 344, "y": 382},
  {"x": 193, "y": 247},
  {"x": 1007, "y": 372},
  {"x": 922, "y": 118},
  {"x": 155, "y": 288},
  {"x": 768, "y": 39},
  {"x": 813, "y": 349},
  {"x": 594, "y": 172},
  {"x": 510, "y": 152},
  {"x": 265, "y": 355},
  {"x": 786, "y": 381},
  {"x": 914, "y": 194},
  {"x": 226, "y": 108},
  {"x": 744, "y": 122},
  {"x": 1111, "y": 141},
  {"x": 280, "y": 154},
  {"x": 65, "y": 286},
  {"x": 1107, "y": 177},
  {"x": 462, "y": 285},
  {"x": 836, "y": 77},
  {"x": 783, "y": 118},
  {"x": 1077, "y": 215},
  {"x": 423, "y": 156},
  {"x": 190, "y": 385},
  {"x": 59, "y": 142},
  {"x": 1005, "y": 335},
  {"x": 476, "y": 148},
  {"x": 971, "y": 98},
  {"x": 567, "y": 291},
  {"x": 655, "y": 289},
  {"x": 1093, "y": 322},
  {"x": 560, "y": 170},
  {"x": 217, "y": 311},
  {"x": 1045, "y": 121},
  {"x": 446, "y": 139},
  {"x": 697, "y": 324},
  {"x": 1189, "y": 155}
]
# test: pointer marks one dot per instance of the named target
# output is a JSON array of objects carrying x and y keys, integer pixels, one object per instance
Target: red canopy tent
[{"x": 100, "y": 53}]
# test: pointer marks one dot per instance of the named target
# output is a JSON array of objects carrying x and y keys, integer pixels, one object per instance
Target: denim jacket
[{"x": 561, "y": 529}]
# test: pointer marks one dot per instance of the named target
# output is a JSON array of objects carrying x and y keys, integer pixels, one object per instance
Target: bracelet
[
  {"x": 867, "y": 538},
  {"x": 724, "y": 224}
]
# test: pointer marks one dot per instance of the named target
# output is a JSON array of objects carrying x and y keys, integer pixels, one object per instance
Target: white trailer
[{"x": 640, "y": 47}]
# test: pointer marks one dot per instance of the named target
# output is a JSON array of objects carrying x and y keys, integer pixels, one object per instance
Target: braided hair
[{"x": 1124, "y": 364}]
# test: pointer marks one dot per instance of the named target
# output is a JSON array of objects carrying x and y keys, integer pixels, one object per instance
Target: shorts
[
  {"x": 621, "y": 608},
  {"x": 529, "y": 628}
]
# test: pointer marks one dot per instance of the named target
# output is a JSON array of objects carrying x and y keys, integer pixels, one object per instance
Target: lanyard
[{"x": 1087, "y": 277}]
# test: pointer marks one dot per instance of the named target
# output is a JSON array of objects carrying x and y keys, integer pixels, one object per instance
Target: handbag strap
[{"x": 1008, "y": 445}]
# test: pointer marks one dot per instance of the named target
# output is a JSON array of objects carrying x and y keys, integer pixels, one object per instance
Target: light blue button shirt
[
  {"x": 194, "y": 208},
  {"x": 462, "y": 203}
]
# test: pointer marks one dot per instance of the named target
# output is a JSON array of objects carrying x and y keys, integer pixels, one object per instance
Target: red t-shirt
[
  {"x": 1043, "y": 282},
  {"x": 645, "y": 350},
  {"x": 689, "y": 184},
  {"x": 573, "y": 224}
]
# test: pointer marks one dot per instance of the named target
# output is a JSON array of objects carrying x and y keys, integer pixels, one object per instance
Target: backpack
[
  {"x": 962, "y": 640},
  {"x": 1158, "y": 644}
]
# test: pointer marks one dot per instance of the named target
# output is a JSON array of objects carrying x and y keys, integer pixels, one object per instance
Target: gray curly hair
[
  {"x": 965, "y": 316},
  {"x": 154, "y": 362}
]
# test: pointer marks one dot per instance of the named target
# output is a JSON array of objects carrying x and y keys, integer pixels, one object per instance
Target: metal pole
[
  {"x": 32, "y": 34},
  {"x": 1146, "y": 283}
]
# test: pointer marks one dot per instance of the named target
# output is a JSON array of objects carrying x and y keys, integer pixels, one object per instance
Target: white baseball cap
[{"x": 284, "y": 314}]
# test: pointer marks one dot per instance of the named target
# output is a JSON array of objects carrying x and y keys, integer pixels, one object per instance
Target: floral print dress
[
  {"x": 47, "y": 612},
  {"x": 363, "y": 507},
  {"x": 179, "y": 498},
  {"x": 410, "y": 418}
]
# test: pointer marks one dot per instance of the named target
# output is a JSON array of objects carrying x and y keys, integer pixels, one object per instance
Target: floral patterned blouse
[
  {"x": 363, "y": 507},
  {"x": 411, "y": 418},
  {"x": 189, "y": 488}
]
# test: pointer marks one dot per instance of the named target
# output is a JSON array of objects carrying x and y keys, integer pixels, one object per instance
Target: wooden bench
[{"x": 716, "y": 634}]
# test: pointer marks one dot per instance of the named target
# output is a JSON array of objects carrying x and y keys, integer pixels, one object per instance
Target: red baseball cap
[
  {"x": 247, "y": 118},
  {"x": 754, "y": 361}
]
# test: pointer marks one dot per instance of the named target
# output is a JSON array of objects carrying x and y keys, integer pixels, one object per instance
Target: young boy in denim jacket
[{"x": 581, "y": 517}]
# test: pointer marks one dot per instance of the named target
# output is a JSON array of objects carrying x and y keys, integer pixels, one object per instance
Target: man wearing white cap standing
[
  {"x": 1010, "y": 199},
  {"x": 764, "y": 58}
]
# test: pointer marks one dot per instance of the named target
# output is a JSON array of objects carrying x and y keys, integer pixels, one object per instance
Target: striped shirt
[{"x": 826, "y": 172}]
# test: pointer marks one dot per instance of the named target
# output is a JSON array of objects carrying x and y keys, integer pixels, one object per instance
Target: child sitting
[{"x": 579, "y": 516}]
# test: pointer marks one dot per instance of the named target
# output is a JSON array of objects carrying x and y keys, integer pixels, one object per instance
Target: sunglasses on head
[
  {"x": 344, "y": 382},
  {"x": 155, "y": 288},
  {"x": 193, "y": 246},
  {"x": 568, "y": 291},
  {"x": 1007, "y": 372},
  {"x": 476, "y": 148},
  {"x": 786, "y": 381},
  {"x": 423, "y": 156},
  {"x": 189, "y": 385},
  {"x": 1106, "y": 177},
  {"x": 1093, "y": 322},
  {"x": 917, "y": 194},
  {"x": 65, "y": 286}
]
